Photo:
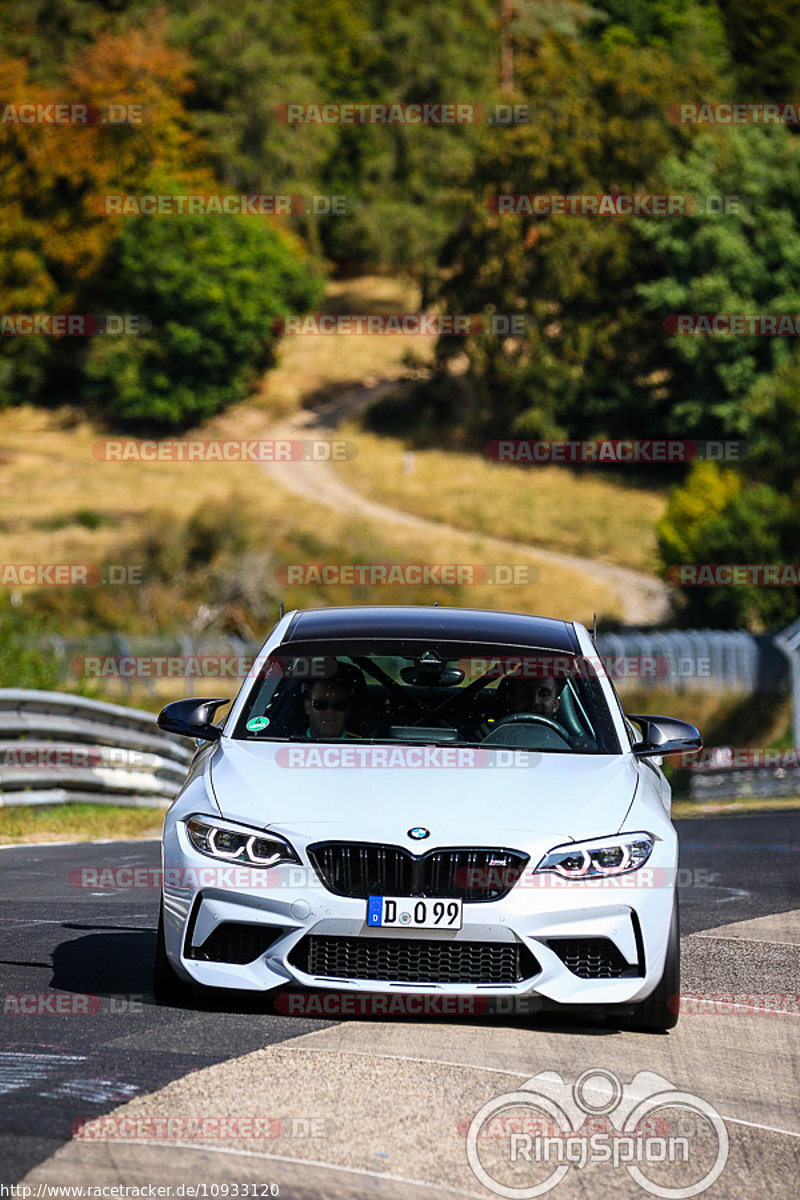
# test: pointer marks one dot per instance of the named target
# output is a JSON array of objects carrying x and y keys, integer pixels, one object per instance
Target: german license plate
[{"x": 404, "y": 912}]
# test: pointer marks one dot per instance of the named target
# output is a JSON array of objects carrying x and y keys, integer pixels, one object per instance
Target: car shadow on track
[{"x": 115, "y": 961}]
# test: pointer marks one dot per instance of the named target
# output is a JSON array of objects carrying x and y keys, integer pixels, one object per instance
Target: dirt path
[{"x": 643, "y": 599}]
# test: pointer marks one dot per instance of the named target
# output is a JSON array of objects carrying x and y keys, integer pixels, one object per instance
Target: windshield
[{"x": 430, "y": 693}]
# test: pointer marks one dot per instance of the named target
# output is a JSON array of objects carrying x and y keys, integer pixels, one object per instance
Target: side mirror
[
  {"x": 192, "y": 718},
  {"x": 664, "y": 735}
]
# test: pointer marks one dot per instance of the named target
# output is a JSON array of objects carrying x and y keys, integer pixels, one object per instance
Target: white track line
[{"x": 439, "y": 1062}]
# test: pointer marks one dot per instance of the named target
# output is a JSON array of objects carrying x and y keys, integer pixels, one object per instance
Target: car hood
[{"x": 566, "y": 796}]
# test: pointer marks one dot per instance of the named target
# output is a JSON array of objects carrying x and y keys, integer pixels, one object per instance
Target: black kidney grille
[
  {"x": 232, "y": 942},
  {"x": 401, "y": 960},
  {"x": 592, "y": 958},
  {"x": 362, "y": 869}
]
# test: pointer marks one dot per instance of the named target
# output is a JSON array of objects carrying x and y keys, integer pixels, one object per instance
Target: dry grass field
[
  {"x": 62, "y": 502},
  {"x": 547, "y": 506}
]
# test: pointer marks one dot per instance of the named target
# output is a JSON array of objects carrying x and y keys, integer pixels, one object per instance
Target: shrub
[{"x": 210, "y": 287}]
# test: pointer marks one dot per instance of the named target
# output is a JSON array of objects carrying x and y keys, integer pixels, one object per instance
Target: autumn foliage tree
[{"x": 63, "y": 251}]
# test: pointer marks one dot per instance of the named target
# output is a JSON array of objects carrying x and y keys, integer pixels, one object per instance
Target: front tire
[
  {"x": 659, "y": 1011},
  {"x": 168, "y": 989}
]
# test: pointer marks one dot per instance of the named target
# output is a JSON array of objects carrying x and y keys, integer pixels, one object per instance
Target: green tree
[
  {"x": 591, "y": 360},
  {"x": 253, "y": 59},
  {"x": 210, "y": 286},
  {"x": 718, "y": 517},
  {"x": 52, "y": 239},
  {"x": 745, "y": 262},
  {"x": 773, "y": 418},
  {"x": 764, "y": 41},
  {"x": 675, "y": 25}
]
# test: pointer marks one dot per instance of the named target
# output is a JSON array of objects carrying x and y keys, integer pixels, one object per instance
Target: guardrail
[
  {"x": 720, "y": 659},
  {"x": 758, "y": 783},
  {"x": 56, "y": 748}
]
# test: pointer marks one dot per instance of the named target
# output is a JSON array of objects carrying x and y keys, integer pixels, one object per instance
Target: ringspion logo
[{"x": 547, "y": 1128}]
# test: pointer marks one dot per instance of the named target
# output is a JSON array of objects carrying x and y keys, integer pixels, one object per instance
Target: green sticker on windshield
[{"x": 257, "y": 723}]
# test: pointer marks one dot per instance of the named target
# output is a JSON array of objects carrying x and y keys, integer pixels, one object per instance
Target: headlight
[
  {"x": 603, "y": 856},
  {"x": 231, "y": 844}
]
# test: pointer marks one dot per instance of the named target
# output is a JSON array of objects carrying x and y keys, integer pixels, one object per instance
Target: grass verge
[
  {"x": 23, "y": 823},
  {"x": 733, "y": 808}
]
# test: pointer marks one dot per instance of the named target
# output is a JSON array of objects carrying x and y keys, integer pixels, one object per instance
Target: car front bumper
[{"x": 545, "y": 918}]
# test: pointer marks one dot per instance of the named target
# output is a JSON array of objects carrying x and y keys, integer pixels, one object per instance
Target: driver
[{"x": 541, "y": 697}]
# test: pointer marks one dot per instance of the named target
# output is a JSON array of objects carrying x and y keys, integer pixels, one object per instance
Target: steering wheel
[{"x": 536, "y": 718}]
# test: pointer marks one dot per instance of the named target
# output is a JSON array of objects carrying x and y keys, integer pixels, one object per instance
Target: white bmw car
[{"x": 432, "y": 801}]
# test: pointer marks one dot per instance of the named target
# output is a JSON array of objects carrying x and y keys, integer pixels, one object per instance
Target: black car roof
[{"x": 451, "y": 624}]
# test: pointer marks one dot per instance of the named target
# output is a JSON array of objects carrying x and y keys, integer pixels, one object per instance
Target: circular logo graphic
[
  {"x": 418, "y": 832},
  {"x": 405, "y": 918},
  {"x": 607, "y": 1086},
  {"x": 635, "y": 1130}
]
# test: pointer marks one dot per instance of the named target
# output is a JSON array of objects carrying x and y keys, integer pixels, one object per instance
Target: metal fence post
[{"x": 788, "y": 641}]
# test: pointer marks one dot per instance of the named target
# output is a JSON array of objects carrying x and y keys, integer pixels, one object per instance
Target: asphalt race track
[{"x": 378, "y": 1106}]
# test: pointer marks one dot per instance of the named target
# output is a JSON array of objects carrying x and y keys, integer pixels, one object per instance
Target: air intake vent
[
  {"x": 233, "y": 942},
  {"x": 593, "y": 958},
  {"x": 401, "y": 960}
]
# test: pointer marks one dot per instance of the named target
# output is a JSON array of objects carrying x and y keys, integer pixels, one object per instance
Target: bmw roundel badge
[{"x": 418, "y": 832}]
